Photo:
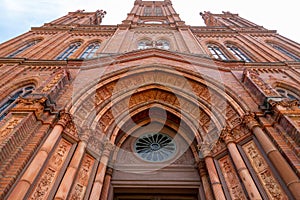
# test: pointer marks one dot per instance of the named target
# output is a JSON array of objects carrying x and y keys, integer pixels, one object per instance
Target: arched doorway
[{"x": 153, "y": 161}]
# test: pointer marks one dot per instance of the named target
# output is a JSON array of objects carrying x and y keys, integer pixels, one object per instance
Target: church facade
[{"x": 150, "y": 109}]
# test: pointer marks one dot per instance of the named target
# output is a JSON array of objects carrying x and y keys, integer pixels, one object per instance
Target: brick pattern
[{"x": 26, "y": 139}]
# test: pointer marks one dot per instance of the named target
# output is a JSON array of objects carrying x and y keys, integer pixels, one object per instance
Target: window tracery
[
  {"x": 145, "y": 44},
  {"x": 155, "y": 147},
  {"x": 285, "y": 52},
  {"x": 69, "y": 51},
  {"x": 287, "y": 94},
  {"x": 216, "y": 52},
  {"x": 238, "y": 53},
  {"x": 162, "y": 44},
  {"x": 23, "y": 48},
  {"x": 90, "y": 51},
  {"x": 10, "y": 101}
]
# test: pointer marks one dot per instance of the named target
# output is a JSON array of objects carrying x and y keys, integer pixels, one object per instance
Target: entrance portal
[{"x": 155, "y": 194}]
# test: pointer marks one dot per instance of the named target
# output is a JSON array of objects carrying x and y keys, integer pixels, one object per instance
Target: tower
[{"x": 151, "y": 108}]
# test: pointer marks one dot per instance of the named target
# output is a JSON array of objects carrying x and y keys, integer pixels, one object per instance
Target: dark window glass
[
  {"x": 9, "y": 103},
  {"x": 287, "y": 94},
  {"x": 239, "y": 54},
  {"x": 286, "y": 52},
  {"x": 90, "y": 51},
  {"x": 23, "y": 48},
  {"x": 216, "y": 52},
  {"x": 69, "y": 51}
]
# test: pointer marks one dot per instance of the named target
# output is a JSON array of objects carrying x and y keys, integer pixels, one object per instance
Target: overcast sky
[{"x": 17, "y": 16}]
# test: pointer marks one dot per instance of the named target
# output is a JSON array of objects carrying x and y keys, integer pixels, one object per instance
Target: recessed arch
[
  {"x": 88, "y": 89},
  {"x": 92, "y": 107}
]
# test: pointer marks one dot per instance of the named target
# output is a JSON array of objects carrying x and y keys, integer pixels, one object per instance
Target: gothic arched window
[
  {"x": 216, "y": 52},
  {"x": 23, "y": 48},
  {"x": 286, "y": 52},
  {"x": 10, "y": 100},
  {"x": 238, "y": 53},
  {"x": 89, "y": 52},
  {"x": 287, "y": 94},
  {"x": 162, "y": 44},
  {"x": 145, "y": 44},
  {"x": 69, "y": 51}
]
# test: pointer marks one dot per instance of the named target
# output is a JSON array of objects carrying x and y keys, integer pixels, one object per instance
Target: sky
[{"x": 18, "y": 16}]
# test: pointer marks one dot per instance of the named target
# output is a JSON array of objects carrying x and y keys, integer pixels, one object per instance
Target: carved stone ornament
[
  {"x": 64, "y": 118},
  {"x": 9, "y": 126},
  {"x": 285, "y": 103},
  {"x": 249, "y": 120},
  {"x": 53, "y": 82},
  {"x": 231, "y": 178},
  {"x": 226, "y": 135},
  {"x": 82, "y": 179},
  {"x": 31, "y": 104},
  {"x": 205, "y": 149},
  {"x": 108, "y": 147},
  {"x": 263, "y": 171},
  {"x": 54, "y": 165},
  {"x": 71, "y": 130},
  {"x": 263, "y": 86}
]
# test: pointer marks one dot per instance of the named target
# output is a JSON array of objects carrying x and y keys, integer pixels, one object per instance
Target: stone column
[
  {"x": 72, "y": 169},
  {"x": 106, "y": 184},
  {"x": 212, "y": 172},
  {"x": 205, "y": 181},
  {"x": 238, "y": 161},
  {"x": 99, "y": 179},
  {"x": 283, "y": 168},
  {"x": 35, "y": 166}
]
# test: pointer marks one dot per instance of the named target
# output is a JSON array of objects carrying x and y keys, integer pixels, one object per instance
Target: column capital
[
  {"x": 249, "y": 120},
  {"x": 85, "y": 133},
  {"x": 108, "y": 147},
  {"x": 204, "y": 149},
  {"x": 109, "y": 171},
  {"x": 64, "y": 118},
  {"x": 226, "y": 135}
]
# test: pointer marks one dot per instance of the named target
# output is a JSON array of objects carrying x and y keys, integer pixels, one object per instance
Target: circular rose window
[{"x": 155, "y": 147}]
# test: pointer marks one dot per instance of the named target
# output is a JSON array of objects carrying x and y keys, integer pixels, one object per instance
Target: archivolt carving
[{"x": 119, "y": 97}]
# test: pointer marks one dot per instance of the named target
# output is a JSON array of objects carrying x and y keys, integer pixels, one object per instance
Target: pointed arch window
[
  {"x": 162, "y": 44},
  {"x": 216, "y": 52},
  {"x": 69, "y": 51},
  {"x": 90, "y": 51},
  {"x": 145, "y": 44},
  {"x": 10, "y": 101},
  {"x": 287, "y": 94},
  {"x": 238, "y": 53},
  {"x": 286, "y": 52},
  {"x": 23, "y": 48}
]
